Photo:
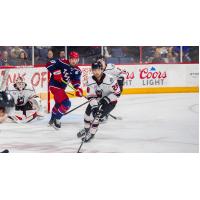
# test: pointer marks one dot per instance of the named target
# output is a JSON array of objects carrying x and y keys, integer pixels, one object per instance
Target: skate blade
[{"x": 55, "y": 128}]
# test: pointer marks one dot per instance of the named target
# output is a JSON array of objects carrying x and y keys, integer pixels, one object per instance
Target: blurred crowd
[
  {"x": 22, "y": 55},
  {"x": 170, "y": 54},
  {"x": 15, "y": 55}
]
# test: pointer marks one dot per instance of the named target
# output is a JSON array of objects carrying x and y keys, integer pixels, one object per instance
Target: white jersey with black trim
[
  {"x": 106, "y": 86},
  {"x": 113, "y": 71},
  {"x": 23, "y": 96}
]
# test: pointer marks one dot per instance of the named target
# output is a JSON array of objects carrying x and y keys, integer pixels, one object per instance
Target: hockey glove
[
  {"x": 79, "y": 92},
  {"x": 104, "y": 101},
  {"x": 57, "y": 76},
  {"x": 96, "y": 112}
]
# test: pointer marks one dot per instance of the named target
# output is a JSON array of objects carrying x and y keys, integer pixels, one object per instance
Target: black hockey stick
[
  {"x": 80, "y": 146},
  {"x": 77, "y": 107},
  {"x": 115, "y": 117},
  {"x": 83, "y": 141}
]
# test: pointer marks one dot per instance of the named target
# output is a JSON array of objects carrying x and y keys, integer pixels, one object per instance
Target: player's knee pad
[
  {"x": 87, "y": 118},
  {"x": 94, "y": 127},
  {"x": 66, "y": 103},
  {"x": 64, "y": 107}
]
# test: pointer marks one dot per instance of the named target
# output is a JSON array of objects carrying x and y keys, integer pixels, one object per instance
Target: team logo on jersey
[
  {"x": 20, "y": 100},
  {"x": 99, "y": 93}
]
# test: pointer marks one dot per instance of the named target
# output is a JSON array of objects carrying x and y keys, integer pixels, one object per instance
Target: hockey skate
[
  {"x": 103, "y": 119},
  {"x": 82, "y": 132},
  {"x": 55, "y": 123},
  {"x": 88, "y": 137}
]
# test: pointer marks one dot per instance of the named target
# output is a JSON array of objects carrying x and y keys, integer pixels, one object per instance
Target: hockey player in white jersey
[
  {"x": 27, "y": 103},
  {"x": 6, "y": 105},
  {"x": 112, "y": 70},
  {"x": 103, "y": 91}
]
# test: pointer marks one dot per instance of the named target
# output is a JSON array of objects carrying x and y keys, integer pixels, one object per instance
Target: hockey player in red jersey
[{"x": 63, "y": 72}]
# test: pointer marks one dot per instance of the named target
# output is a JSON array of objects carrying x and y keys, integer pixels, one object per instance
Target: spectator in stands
[
  {"x": 194, "y": 54},
  {"x": 4, "y": 60},
  {"x": 13, "y": 60},
  {"x": 23, "y": 59},
  {"x": 171, "y": 58},
  {"x": 28, "y": 51},
  {"x": 16, "y": 50},
  {"x": 62, "y": 54},
  {"x": 157, "y": 58},
  {"x": 50, "y": 55},
  {"x": 131, "y": 54}
]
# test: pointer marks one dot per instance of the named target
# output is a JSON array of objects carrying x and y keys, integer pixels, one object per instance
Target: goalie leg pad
[{"x": 36, "y": 103}]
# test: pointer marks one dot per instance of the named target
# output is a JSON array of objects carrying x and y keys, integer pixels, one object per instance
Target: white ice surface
[{"x": 151, "y": 123}]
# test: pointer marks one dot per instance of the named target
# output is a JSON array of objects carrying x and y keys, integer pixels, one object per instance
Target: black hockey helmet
[
  {"x": 96, "y": 65},
  {"x": 6, "y": 101}
]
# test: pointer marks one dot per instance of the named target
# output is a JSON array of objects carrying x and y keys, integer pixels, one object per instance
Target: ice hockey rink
[{"x": 150, "y": 123}]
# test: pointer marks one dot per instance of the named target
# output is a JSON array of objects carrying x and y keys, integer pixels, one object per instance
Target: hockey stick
[
  {"x": 114, "y": 117},
  {"x": 77, "y": 107},
  {"x": 70, "y": 94},
  {"x": 83, "y": 141}
]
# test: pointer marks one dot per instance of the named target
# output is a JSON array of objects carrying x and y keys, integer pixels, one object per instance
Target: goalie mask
[{"x": 20, "y": 83}]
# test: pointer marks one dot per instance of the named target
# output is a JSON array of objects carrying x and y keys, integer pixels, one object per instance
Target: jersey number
[{"x": 115, "y": 87}]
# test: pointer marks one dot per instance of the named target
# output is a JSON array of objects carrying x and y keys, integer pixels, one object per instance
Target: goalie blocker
[{"x": 103, "y": 91}]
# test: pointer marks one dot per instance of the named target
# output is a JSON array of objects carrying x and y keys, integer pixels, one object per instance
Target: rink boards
[{"x": 139, "y": 79}]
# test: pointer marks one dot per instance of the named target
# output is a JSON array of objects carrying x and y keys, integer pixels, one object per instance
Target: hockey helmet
[
  {"x": 96, "y": 65},
  {"x": 6, "y": 101},
  {"x": 73, "y": 54}
]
